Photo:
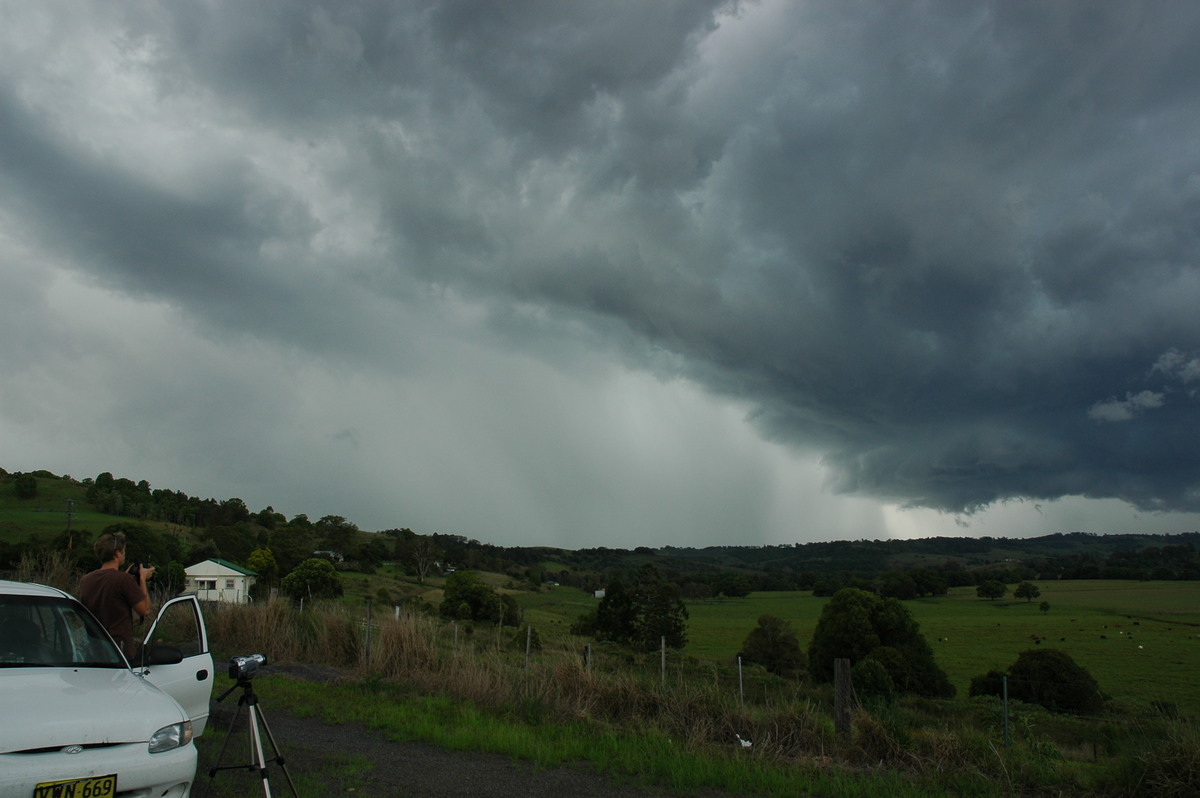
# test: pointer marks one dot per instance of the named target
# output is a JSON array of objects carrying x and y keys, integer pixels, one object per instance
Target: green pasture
[
  {"x": 45, "y": 515},
  {"x": 1140, "y": 640}
]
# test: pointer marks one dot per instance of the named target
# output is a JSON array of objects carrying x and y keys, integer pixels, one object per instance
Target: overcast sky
[{"x": 611, "y": 273}]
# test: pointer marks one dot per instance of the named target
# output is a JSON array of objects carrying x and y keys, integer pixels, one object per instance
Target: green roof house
[{"x": 220, "y": 580}]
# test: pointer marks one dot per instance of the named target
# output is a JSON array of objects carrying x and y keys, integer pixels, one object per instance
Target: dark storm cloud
[{"x": 954, "y": 246}]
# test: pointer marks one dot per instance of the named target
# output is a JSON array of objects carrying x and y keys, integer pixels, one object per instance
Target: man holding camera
[{"x": 111, "y": 594}]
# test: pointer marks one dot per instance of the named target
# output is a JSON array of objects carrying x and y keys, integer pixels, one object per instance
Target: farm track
[{"x": 352, "y": 759}]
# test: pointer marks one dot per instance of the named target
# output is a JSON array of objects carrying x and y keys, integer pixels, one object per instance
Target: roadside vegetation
[{"x": 472, "y": 687}]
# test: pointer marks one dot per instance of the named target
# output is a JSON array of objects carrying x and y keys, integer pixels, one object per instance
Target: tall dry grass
[
  {"x": 429, "y": 656},
  {"x": 54, "y": 568}
]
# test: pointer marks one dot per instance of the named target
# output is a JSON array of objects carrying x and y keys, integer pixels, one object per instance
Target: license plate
[{"x": 96, "y": 787}]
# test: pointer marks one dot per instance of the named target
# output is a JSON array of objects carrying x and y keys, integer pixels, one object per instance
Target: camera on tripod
[{"x": 243, "y": 668}]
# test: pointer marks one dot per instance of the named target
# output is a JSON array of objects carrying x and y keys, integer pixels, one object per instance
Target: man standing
[{"x": 111, "y": 594}]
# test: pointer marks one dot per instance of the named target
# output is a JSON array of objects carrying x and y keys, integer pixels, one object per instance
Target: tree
[
  {"x": 291, "y": 544},
  {"x": 335, "y": 533},
  {"x": 25, "y": 486},
  {"x": 991, "y": 590},
  {"x": 314, "y": 578},
  {"x": 174, "y": 578},
  {"x": 419, "y": 551},
  {"x": 639, "y": 616},
  {"x": 1027, "y": 590},
  {"x": 732, "y": 586},
  {"x": 1044, "y": 607},
  {"x": 858, "y": 625},
  {"x": 467, "y": 598},
  {"x": 262, "y": 562},
  {"x": 1045, "y": 676},
  {"x": 663, "y": 613},
  {"x": 773, "y": 644}
]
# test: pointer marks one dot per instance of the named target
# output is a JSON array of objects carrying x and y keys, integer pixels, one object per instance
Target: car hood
[{"x": 50, "y": 707}]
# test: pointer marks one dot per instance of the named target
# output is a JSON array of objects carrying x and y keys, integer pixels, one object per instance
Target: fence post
[
  {"x": 528, "y": 641},
  {"x": 741, "y": 686},
  {"x": 662, "y": 655},
  {"x": 1005, "y": 681},
  {"x": 841, "y": 697},
  {"x": 368, "y": 658},
  {"x": 587, "y": 657}
]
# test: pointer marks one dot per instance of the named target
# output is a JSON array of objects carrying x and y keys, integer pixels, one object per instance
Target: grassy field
[
  {"x": 45, "y": 516},
  {"x": 1140, "y": 640}
]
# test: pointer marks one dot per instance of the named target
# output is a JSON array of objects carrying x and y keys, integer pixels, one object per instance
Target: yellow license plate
[{"x": 96, "y": 787}]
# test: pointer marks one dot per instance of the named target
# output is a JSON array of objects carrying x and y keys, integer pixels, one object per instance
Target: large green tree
[
  {"x": 857, "y": 625},
  {"x": 639, "y": 615},
  {"x": 991, "y": 590},
  {"x": 335, "y": 533},
  {"x": 25, "y": 486},
  {"x": 314, "y": 578},
  {"x": 468, "y": 598},
  {"x": 1027, "y": 590}
]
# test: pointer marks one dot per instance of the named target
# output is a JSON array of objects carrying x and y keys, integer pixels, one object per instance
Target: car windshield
[{"x": 43, "y": 631}]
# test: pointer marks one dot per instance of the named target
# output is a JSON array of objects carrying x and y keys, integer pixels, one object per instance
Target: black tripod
[{"x": 257, "y": 761}]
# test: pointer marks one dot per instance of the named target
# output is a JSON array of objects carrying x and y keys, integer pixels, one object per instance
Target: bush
[
  {"x": 1048, "y": 677},
  {"x": 855, "y": 624},
  {"x": 773, "y": 645},
  {"x": 871, "y": 680}
]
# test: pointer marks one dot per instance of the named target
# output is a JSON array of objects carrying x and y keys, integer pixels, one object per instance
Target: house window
[
  {"x": 206, "y": 584},
  {"x": 229, "y": 584}
]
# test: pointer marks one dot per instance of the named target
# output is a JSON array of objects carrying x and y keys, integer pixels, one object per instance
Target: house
[{"x": 220, "y": 580}]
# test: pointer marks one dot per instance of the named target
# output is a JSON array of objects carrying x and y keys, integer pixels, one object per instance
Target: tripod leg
[
  {"x": 256, "y": 750},
  {"x": 275, "y": 749},
  {"x": 216, "y": 766}
]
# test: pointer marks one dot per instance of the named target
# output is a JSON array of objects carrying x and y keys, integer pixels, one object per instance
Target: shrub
[
  {"x": 773, "y": 645},
  {"x": 1045, "y": 676},
  {"x": 871, "y": 680}
]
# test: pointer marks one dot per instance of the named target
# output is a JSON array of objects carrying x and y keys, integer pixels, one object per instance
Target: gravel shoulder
[{"x": 351, "y": 759}]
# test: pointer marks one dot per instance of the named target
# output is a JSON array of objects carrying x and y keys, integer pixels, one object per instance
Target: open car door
[{"x": 175, "y": 658}]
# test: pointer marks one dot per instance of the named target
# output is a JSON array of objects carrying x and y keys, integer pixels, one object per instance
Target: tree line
[{"x": 229, "y": 529}]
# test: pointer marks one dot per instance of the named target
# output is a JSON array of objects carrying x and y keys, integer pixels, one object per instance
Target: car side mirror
[{"x": 162, "y": 654}]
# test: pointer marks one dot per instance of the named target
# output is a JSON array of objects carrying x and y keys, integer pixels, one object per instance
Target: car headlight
[{"x": 168, "y": 738}]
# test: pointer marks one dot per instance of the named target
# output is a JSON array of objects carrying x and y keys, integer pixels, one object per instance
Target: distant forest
[{"x": 170, "y": 526}]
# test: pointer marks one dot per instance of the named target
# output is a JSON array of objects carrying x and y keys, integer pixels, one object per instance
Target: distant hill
[{"x": 60, "y": 504}]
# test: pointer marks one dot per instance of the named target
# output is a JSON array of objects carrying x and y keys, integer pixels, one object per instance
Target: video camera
[{"x": 243, "y": 668}]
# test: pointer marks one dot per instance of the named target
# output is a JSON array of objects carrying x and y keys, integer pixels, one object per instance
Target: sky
[{"x": 615, "y": 273}]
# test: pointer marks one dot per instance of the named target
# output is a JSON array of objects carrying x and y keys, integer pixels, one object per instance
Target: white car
[{"x": 77, "y": 720}]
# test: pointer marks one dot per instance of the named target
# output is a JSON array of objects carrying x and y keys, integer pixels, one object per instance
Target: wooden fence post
[
  {"x": 741, "y": 686},
  {"x": 662, "y": 646},
  {"x": 1005, "y": 680},
  {"x": 368, "y": 657},
  {"x": 841, "y": 697}
]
